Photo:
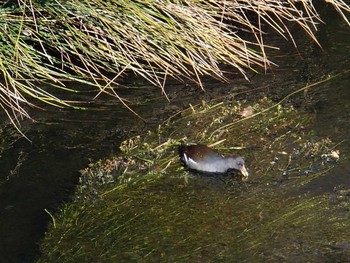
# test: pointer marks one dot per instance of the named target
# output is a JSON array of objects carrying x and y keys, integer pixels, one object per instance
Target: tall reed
[{"x": 98, "y": 42}]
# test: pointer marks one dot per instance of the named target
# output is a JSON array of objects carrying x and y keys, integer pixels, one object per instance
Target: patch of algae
[{"x": 143, "y": 206}]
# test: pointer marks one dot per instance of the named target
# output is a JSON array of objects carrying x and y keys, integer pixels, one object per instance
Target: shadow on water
[{"x": 42, "y": 174}]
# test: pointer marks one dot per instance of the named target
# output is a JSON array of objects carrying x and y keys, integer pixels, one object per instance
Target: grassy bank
[{"x": 46, "y": 45}]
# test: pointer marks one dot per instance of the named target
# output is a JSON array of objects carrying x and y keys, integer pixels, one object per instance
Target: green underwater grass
[{"x": 144, "y": 207}]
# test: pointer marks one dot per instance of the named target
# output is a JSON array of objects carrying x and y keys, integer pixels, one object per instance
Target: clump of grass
[{"x": 98, "y": 43}]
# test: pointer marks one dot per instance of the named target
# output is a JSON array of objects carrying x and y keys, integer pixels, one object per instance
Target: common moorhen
[{"x": 203, "y": 159}]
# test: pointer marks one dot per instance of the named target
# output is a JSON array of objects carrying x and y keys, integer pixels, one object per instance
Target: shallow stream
[{"x": 42, "y": 174}]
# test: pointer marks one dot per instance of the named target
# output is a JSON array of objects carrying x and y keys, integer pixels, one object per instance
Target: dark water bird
[{"x": 203, "y": 159}]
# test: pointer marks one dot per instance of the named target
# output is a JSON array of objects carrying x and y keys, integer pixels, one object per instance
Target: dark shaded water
[
  {"x": 42, "y": 174},
  {"x": 330, "y": 101}
]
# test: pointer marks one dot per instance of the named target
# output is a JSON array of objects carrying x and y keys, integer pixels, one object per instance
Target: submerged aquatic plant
[
  {"x": 96, "y": 43},
  {"x": 275, "y": 131},
  {"x": 143, "y": 207}
]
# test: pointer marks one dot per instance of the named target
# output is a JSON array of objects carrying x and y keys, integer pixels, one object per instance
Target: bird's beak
[{"x": 244, "y": 171}]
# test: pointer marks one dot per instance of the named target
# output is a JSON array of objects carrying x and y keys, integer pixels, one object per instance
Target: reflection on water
[{"x": 42, "y": 174}]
